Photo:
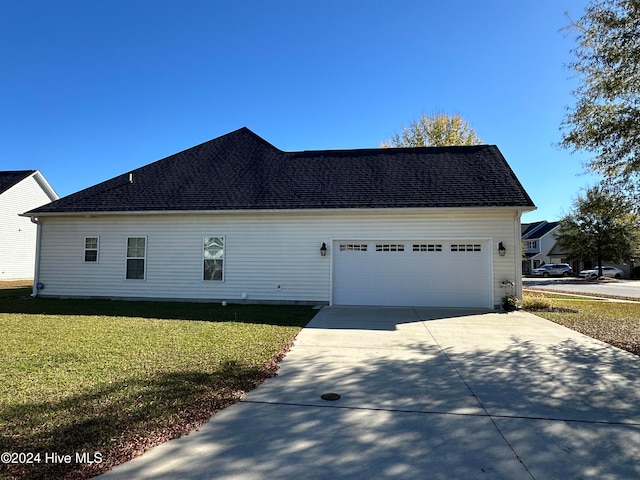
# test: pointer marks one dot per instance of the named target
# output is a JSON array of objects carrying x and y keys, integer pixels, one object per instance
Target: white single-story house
[
  {"x": 20, "y": 190},
  {"x": 235, "y": 219}
]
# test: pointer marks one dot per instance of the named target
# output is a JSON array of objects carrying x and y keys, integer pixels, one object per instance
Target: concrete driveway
[{"x": 424, "y": 393}]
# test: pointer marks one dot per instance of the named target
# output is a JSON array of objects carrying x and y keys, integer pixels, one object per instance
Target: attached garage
[
  {"x": 442, "y": 273},
  {"x": 377, "y": 226}
]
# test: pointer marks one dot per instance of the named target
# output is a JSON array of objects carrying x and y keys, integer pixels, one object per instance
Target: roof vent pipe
[{"x": 131, "y": 177}]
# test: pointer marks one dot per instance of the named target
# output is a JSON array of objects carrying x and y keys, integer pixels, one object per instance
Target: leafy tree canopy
[
  {"x": 438, "y": 130},
  {"x": 606, "y": 117},
  {"x": 601, "y": 227}
]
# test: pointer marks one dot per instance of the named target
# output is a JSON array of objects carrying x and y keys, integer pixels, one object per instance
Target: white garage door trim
[{"x": 426, "y": 272}]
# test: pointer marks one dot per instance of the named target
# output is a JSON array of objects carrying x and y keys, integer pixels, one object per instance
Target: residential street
[{"x": 610, "y": 287}]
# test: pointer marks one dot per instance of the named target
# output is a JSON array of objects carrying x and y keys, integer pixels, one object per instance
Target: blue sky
[{"x": 93, "y": 89}]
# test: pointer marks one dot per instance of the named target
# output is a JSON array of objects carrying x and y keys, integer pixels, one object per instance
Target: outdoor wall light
[
  {"x": 501, "y": 249},
  {"x": 323, "y": 249}
]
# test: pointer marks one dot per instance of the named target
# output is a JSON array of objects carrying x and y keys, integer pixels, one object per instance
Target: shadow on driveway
[{"x": 482, "y": 395}]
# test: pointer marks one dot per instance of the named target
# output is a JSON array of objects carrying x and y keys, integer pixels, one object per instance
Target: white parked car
[
  {"x": 559, "y": 269},
  {"x": 607, "y": 271}
]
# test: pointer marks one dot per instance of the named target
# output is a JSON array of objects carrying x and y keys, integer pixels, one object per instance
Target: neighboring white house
[
  {"x": 20, "y": 191},
  {"x": 236, "y": 219}
]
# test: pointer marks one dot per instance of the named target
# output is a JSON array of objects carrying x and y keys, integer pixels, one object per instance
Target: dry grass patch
[{"x": 616, "y": 323}]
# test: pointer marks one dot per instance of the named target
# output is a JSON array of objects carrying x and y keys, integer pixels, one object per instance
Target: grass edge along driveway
[
  {"x": 111, "y": 379},
  {"x": 614, "y": 322}
]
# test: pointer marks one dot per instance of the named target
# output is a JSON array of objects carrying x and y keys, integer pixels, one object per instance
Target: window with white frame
[
  {"x": 532, "y": 244},
  {"x": 91, "y": 249},
  {"x": 213, "y": 258},
  {"x": 136, "y": 258}
]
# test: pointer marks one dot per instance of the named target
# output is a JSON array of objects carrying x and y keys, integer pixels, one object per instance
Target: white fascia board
[
  {"x": 51, "y": 193},
  {"x": 292, "y": 211}
]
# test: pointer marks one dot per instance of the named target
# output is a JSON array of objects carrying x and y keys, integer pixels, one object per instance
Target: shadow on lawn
[
  {"x": 18, "y": 301},
  {"x": 120, "y": 420}
]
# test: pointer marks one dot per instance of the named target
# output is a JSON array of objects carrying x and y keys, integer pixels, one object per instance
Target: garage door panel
[{"x": 416, "y": 273}]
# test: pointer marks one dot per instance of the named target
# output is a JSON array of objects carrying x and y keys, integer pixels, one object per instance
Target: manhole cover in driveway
[{"x": 330, "y": 397}]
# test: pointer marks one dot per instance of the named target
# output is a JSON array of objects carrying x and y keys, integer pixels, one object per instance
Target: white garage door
[{"x": 413, "y": 273}]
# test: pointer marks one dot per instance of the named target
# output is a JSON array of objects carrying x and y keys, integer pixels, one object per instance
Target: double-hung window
[
  {"x": 136, "y": 257},
  {"x": 91, "y": 249},
  {"x": 213, "y": 258}
]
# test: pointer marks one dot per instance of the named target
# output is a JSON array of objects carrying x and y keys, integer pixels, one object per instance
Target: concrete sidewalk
[{"x": 425, "y": 393}]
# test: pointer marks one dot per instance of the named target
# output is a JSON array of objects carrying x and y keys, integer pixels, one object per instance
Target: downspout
[
  {"x": 517, "y": 252},
  {"x": 36, "y": 271}
]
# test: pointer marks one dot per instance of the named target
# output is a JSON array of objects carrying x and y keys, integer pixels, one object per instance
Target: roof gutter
[
  {"x": 517, "y": 244},
  {"x": 89, "y": 214}
]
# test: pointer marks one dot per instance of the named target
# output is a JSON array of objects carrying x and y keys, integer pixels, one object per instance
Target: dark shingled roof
[
  {"x": 538, "y": 229},
  {"x": 10, "y": 178},
  {"x": 241, "y": 171}
]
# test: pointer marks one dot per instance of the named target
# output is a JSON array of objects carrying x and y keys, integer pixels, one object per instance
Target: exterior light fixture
[
  {"x": 501, "y": 249},
  {"x": 323, "y": 249}
]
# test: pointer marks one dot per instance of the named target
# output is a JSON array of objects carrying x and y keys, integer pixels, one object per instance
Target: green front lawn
[{"x": 118, "y": 377}]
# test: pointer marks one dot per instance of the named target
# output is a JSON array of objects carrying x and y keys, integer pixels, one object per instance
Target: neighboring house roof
[
  {"x": 526, "y": 228},
  {"x": 241, "y": 171},
  {"x": 10, "y": 178},
  {"x": 538, "y": 229}
]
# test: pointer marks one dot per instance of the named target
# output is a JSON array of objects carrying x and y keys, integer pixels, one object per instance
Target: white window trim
[
  {"x": 85, "y": 249},
  {"x": 126, "y": 257},
  {"x": 223, "y": 258}
]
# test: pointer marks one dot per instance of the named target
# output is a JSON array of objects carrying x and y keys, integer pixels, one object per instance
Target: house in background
[
  {"x": 20, "y": 191},
  {"x": 539, "y": 240},
  {"x": 236, "y": 219}
]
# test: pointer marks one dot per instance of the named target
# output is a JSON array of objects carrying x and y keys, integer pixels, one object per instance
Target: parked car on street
[
  {"x": 607, "y": 271},
  {"x": 559, "y": 269}
]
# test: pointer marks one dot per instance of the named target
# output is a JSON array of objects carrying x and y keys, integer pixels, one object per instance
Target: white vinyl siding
[
  {"x": 270, "y": 256},
  {"x": 18, "y": 234}
]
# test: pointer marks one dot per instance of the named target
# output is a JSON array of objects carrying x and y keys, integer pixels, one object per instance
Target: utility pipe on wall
[
  {"x": 517, "y": 253},
  {"x": 36, "y": 269}
]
